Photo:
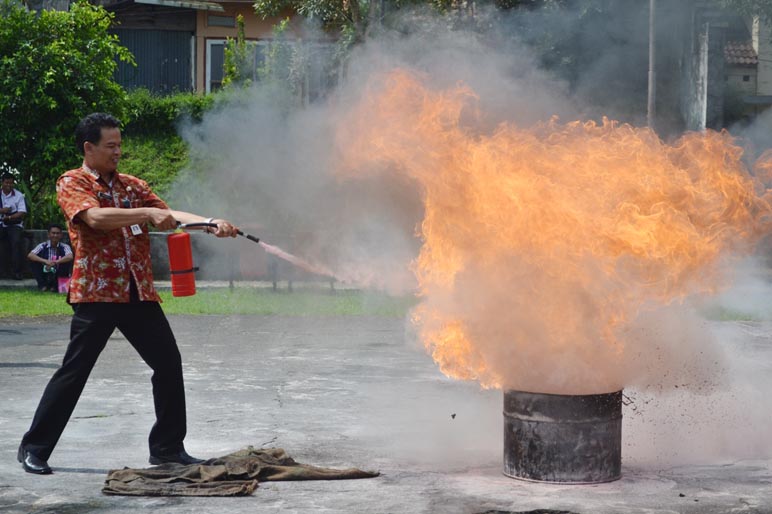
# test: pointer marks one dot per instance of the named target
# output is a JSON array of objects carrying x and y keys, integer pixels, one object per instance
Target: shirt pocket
[{"x": 105, "y": 198}]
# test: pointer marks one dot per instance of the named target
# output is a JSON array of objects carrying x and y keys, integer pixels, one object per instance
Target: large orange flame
[{"x": 542, "y": 245}]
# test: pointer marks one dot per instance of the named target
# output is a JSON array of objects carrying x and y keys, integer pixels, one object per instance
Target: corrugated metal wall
[{"x": 163, "y": 60}]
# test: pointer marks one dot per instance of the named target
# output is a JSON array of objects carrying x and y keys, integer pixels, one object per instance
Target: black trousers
[
  {"x": 49, "y": 279},
  {"x": 147, "y": 329},
  {"x": 13, "y": 233}
]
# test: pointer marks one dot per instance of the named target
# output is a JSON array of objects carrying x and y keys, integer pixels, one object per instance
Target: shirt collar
[
  {"x": 94, "y": 173},
  {"x": 13, "y": 192}
]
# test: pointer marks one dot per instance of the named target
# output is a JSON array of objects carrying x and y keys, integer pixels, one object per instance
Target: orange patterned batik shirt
[{"x": 105, "y": 260}]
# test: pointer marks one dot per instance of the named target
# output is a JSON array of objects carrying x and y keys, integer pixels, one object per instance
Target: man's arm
[
  {"x": 10, "y": 217},
  {"x": 18, "y": 206},
  {"x": 36, "y": 258},
  {"x": 19, "y": 212},
  {"x": 109, "y": 218}
]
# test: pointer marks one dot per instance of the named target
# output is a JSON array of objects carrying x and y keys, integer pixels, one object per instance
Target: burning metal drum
[{"x": 573, "y": 439}]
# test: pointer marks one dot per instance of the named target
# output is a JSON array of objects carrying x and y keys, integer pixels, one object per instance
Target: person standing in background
[{"x": 13, "y": 208}]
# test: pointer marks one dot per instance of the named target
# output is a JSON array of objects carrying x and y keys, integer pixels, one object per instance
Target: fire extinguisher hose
[{"x": 252, "y": 238}]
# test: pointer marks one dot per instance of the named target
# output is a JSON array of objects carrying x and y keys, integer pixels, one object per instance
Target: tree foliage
[
  {"x": 354, "y": 19},
  {"x": 292, "y": 71},
  {"x": 239, "y": 65},
  {"x": 762, "y": 8},
  {"x": 150, "y": 114},
  {"x": 279, "y": 68},
  {"x": 351, "y": 19},
  {"x": 55, "y": 67},
  {"x": 152, "y": 148}
]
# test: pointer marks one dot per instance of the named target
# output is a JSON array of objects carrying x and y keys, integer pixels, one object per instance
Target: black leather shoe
[
  {"x": 180, "y": 457},
  {"x": 32, "y": 464}
]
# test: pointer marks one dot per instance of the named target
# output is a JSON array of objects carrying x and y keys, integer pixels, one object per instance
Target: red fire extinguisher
[
  {"x": 181, "y": 264},
  {"x": 181, "y": 258}
]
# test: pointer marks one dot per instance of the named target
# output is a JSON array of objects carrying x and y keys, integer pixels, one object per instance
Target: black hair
[
  {"x": 7, "y": 175},
  {"x": 55, "y": 225},
  {"x": 90, "y": 128}
]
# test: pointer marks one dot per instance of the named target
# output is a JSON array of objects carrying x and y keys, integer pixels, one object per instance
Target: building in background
[
  {"x": 179, "y": 45},
  {"x": 741, "y": 68},
  {"x": 161, "y": 36},
  {"x": 725, "y": 66},
  {"x": 761, "y": 40},
  {"x": 748, "y": 70}
]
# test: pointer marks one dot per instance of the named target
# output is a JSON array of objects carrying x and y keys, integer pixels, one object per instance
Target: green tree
[
  {"x": 283, "y": 67},
  {"x": 354, "y": 20},
  {"x": 239, "y": 65},
  {"x": 55, "y": 67},
  {"x": 279, "y": 68},
  {"x": 762, "y": 8},
  {"x": 351, "y": 18}
]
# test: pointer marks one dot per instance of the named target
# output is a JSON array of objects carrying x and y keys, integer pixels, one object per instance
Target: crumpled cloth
[{"x": 235, "y": 474}]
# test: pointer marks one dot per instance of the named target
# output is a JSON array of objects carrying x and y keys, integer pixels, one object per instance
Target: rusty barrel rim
[{"x": 568, "y": 408}]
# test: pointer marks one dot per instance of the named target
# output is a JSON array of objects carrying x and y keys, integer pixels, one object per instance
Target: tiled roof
[{"x": 740, "y": 53}]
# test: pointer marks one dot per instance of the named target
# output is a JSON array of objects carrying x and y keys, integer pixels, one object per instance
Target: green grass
[
  {"x": 29, "y": 303},
  {"x": 719, "y": 313}
]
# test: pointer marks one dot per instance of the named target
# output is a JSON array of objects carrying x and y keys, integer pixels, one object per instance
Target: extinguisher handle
[
  {"x": 195, "y": 225},
  {"x": 252, "y": 238}
]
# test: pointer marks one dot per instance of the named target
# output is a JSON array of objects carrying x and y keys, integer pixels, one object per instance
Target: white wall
[{"x": 763, "y": 37}]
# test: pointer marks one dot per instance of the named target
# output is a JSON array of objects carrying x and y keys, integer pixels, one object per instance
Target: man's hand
[
  {"x": 5, "y": 210},
  {"x": 162, "y": 219},
  {"x": 224, "y": 229}
]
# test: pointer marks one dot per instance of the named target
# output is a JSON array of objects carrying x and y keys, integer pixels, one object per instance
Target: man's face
[
  {"x": 7, "y": 185},
  {"x": 104, "y": 155},
  {"x": 55, "y": 235}
]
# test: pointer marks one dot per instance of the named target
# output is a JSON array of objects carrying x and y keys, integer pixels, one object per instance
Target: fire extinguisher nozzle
[{"x": 248, "y": 236}]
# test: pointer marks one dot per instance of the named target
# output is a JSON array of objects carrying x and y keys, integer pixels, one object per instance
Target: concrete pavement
[{"x": 337, "y": 392}]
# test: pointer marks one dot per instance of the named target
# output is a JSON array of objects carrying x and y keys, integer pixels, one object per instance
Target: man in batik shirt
[{"x": 108, "y": 216}]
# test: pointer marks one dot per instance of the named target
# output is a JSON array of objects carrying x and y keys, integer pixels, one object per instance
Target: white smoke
[{"x": 273, "y": 173}]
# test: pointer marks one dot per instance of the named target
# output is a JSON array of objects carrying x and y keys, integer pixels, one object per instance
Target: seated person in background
[{"x": 51, "y": 259}]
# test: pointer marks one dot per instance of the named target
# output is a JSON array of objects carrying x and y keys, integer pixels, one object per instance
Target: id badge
[{"x": 136, "y": 229}]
